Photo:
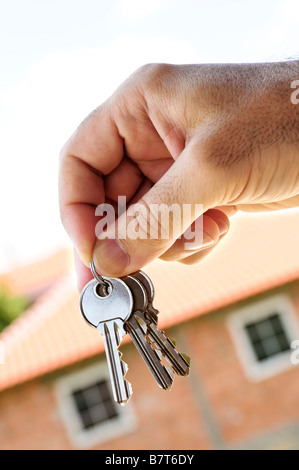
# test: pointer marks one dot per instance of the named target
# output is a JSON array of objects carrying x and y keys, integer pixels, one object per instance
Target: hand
[{"x": 224, "y": 136}]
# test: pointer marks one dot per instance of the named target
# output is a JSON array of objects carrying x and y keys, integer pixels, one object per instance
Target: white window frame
[
  {"x": 84, "y": 438},
  {"x": 257, "y": 311}
]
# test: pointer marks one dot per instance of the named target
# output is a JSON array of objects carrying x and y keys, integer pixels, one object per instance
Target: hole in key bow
[{"x": 103, "y": 290}]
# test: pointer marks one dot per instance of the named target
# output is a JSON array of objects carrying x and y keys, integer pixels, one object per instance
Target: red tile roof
[
  {"x": 261, "y": 252},
  {"x": 36, "y": 277}
]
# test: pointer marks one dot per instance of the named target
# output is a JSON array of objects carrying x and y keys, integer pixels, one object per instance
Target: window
[
  {"x": 95, "y": 404},
  {"x": 88, "y": 409},
  {"x": 262, "y": 333},
  {"x": 268, "y": 337}
]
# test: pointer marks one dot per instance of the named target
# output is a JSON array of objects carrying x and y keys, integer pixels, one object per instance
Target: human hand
[{"x": 223, "y": 136}]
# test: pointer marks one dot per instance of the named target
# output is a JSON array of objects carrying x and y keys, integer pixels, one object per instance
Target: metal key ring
[{"x": 97, "y": 276}]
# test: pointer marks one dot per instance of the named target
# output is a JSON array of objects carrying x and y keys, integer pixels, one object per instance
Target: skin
[{"x": 224, "y": 136}]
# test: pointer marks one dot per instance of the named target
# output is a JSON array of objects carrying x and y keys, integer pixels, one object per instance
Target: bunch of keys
[{"x": 117, "y": 306}]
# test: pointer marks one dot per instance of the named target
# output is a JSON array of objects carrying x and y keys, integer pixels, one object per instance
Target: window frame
[
  {"x": 80, "y": 437},
  {"x": 261, "y": 310}
]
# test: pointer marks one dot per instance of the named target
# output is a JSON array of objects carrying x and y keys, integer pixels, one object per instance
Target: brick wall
[{"x": 243, "y": 409}]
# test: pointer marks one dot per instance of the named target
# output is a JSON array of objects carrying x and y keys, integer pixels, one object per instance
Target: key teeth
[
  {"x": 164, "y": 380},
  {"x": 124, "y": 367},
  {"x": 158, "y": 353},
  {"x": 187, "y": 358},
  {"x": 186, "y": 373},
  {"x": 171, "y": 371},
  {"x": 183, "y": 371},
  {"x": 187, "y": 361},
  {"x": 129, "y": 390},
  {"x": 128, "y": 385},
  {"x": 171, "y": 374},
  {"x": 148, "y": 329}
]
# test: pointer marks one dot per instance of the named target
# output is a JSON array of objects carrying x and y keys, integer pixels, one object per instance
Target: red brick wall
[
  {"x": 166, "y": 420},
  {"x": 216, "y": 406},
  {"x": 243, "y": 409},
  {"x": 29, "y": 419}
]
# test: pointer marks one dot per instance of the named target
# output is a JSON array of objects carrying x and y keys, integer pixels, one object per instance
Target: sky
[{"x": 61, "y": 58}]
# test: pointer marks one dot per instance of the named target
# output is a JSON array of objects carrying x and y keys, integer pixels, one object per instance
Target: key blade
[
  {"x": 187, "y": 358},
  {"x": 163, "y": 375},
  {"x": 180, "y": 363},
  {"x": 112, "y": 332},
  {"x": 142, "y": 324}
]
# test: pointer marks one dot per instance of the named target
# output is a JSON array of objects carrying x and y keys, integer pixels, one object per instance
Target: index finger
[{"x": 93, "y": 151}]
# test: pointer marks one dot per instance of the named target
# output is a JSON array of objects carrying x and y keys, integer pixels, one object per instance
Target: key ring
[{"x": 97, "y": 276}]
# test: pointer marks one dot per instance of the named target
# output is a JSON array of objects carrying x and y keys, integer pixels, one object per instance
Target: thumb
[{"x": 151, "y": 226}]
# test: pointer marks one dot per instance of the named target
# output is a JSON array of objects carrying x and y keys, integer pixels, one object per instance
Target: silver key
[
  {"x": 137, "y": 329},
  {"x": 179, "y": 362},
  {"x": 107, "y": 313},
  {"x": 151, "y": 311}
]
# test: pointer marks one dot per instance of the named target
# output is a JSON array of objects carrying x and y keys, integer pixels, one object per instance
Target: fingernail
[
  {"x": 222, "y": 224},
  {"x": 110, "y": 258},
  {"x": 199, "y": 242}
]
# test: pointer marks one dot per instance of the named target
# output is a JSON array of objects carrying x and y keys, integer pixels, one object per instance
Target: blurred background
[{"x": 60, "y": 60}]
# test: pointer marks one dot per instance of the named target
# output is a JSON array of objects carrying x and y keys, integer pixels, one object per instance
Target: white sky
[{"x": 62, "y": 58}]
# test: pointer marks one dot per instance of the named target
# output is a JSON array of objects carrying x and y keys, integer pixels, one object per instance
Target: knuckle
[
  {"x": 153, "y": 77},
  {"x": 155, "y": 69}
]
